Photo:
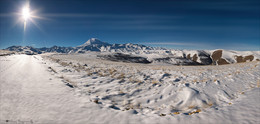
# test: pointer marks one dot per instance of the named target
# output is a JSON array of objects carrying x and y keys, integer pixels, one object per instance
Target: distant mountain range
[
  {"x": 152, "y": 54},
  {"x": 92, "y": 44}
]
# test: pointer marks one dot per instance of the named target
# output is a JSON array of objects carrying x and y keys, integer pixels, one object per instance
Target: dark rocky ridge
[
  {"x": 120, "y": 57},
  {"x": 177, "y": 61}
]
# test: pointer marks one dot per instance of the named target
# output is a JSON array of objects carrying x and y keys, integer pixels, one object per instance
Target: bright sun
[{"x": 26, "y": 13}]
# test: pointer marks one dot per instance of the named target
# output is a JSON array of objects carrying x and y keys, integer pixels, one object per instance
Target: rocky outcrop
[
  {"x": 222, "y": 61},
  {"x": 217, "y": 58},
  {"x": 195, "y": 58},
  {"x": 240, "y": 59},
  {"x": 216, "y": 55},
  {"x": 202, "y": 57}
]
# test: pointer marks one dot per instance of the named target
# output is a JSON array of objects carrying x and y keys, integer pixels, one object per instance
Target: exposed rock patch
[
  {"x": 249, "y": 57},
  {"x": 205, "y": 58},
  {"x": 195, "y": 58},
  {"x": 222, "y": 61},
  {"x": 216, "y": 55},
  {"x": 244, "y": 59},
  {"x": 188, "y": 56},
  {"x": 239, "y": 59}
]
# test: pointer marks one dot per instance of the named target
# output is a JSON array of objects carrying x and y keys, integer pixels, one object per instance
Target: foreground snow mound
[{"x": 189, "y": 98}]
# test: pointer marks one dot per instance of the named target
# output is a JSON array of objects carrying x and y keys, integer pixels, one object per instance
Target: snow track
[{"x": 29, "y": 93}]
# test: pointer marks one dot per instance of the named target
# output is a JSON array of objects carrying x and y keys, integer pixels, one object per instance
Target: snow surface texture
[{"x": 83, "y": 89}]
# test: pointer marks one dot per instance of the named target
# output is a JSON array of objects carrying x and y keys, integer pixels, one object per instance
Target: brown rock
[
  {"x": 249, "y": 57},
  {"x": 222, "y": 62},
  {"x": 216, "y": 55},
  {"x": 188, "y": 56},
  {"x": 195, "y": 58},
  {"x": 239, "y": 59}
]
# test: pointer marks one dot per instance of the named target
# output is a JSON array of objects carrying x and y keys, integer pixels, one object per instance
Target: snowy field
[{"x": 80, "y": 88}]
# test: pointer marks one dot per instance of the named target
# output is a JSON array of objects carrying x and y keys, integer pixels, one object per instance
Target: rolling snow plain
[{"x": 81, "y": 88}]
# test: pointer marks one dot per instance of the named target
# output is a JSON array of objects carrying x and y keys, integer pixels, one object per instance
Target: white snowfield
[{"x": 80, "y": 89}]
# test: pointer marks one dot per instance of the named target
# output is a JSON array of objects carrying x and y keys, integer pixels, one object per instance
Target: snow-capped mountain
[
  {"x": 92, "y": 44},
  {"x": 95, "y": 44},
  {"x": 152, "y": 54}
]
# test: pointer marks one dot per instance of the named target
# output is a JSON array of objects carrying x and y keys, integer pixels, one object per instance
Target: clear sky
[{"x": 178, "y": 24}]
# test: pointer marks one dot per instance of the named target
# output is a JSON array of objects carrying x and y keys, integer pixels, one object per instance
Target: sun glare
[{"x": 26, "y": 13}]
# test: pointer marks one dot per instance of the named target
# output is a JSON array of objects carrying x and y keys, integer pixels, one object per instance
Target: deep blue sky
[{"x": 178, "y": 24}]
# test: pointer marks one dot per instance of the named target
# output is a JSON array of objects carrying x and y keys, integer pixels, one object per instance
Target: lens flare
[{"x": 26, "y": 13}]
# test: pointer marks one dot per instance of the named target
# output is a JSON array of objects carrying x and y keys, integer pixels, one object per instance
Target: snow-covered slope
[{"x": 80, "y": 88}]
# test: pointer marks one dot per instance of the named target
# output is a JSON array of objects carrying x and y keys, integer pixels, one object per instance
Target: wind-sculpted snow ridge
[
  {"x": 154, "y": 55},
  {"x": 160, "y": 90}
]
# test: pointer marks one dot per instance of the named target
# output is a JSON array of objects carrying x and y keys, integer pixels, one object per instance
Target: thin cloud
[
  {"x": 187, "y": 45},
  {"x": 4, "y": 15},
  {"x": 181, "y": 45},
  {"x": 85, "y": 15},
  {"x": 8, "y": 14},
  {"x": 171, "y": 43},
  {"x": 242, "y": 47}
]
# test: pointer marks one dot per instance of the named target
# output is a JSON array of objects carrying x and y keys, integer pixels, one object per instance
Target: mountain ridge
[{"x": 153, "y": 54}]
